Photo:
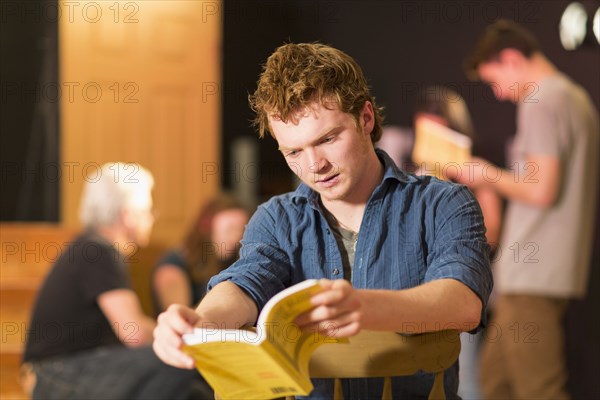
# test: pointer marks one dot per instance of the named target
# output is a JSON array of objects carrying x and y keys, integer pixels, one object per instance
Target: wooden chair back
[{"x": 372, "y": 354}]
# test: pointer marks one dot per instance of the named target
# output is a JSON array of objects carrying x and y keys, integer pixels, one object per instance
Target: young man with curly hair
[{"x": 394, "y": 252}]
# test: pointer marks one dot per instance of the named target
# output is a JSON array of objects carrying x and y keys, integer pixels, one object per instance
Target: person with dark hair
[
  {"x": 445, "y": 106},
  {"x": 394, "y": 252},
  {"x": 436, "y": 102},
  {"x": 89, "y": 337},
  {"x": 210, "y": 245},
  {"x": 502, "y": 35},
  {"x": 549, "y": 225}
]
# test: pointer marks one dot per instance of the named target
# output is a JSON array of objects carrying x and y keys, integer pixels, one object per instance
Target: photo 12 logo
[
  {"x": 67, "y": 171},
  {"x": 71, "y": 92},
  {"x": 70, "y": 11}
]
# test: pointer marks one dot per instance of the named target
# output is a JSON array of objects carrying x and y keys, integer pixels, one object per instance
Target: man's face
[
  {"x": 140, "y": 217},
  {"x": 326, "y": 149},
  {"x": 503, "y": 79},
  {"x": 227, "y": 229}
]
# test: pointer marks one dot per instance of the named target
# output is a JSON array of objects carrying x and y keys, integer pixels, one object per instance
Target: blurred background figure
[
  {"x": 435, "y": 103},
  {"x": 398, "y": 142},
  {"x": 548, "y": 231},
  {"x": 445, "y": 106},
  {"x": 99, "y": 347},
  {"x": 211, "y": 245}
]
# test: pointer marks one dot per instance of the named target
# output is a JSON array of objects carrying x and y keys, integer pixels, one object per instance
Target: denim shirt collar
[{"x": 391, "y": 173}]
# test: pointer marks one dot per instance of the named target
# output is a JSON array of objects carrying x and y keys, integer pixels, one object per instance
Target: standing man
[
  {"x": 551, "y": 191},
  {"x": 396, "y": 252},
  {"x": 88, "y": 336}
]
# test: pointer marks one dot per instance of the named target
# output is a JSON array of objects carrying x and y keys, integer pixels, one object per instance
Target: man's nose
[{"x": 317, "y": 162}]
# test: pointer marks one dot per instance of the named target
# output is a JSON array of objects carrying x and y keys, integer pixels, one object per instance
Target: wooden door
[{"x": 140, "y": 82}]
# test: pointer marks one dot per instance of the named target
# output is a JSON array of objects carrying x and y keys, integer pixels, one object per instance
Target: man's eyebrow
[{"x": 326, "y": 133}]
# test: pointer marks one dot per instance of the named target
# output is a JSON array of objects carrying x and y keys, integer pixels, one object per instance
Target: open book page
[
  {"x": 277, "y": 319},
  {"x": 278, "y": 315},
  {"x": 239, "y": 370},
  {"x": 438, "y": 147}
]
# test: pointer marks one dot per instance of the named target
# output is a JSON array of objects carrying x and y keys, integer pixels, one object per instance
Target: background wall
[{"x": 140, "y": 71}]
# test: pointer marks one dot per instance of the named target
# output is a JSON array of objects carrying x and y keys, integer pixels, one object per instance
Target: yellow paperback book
[
  {"x": 438, "y": 148},
  {"x": 268, "y": 362}
]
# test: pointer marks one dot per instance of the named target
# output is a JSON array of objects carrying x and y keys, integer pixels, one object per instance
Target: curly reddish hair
[{"x": 296, "y": 75}]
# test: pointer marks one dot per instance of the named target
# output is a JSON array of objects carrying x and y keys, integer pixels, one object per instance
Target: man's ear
[
  {"x": 125, "y": 218},
  {"x": 367, "y": 118}
]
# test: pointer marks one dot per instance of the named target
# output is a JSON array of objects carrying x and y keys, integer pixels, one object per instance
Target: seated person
[
  {"x": 88, "y": 336},
  {"x": 211, "y": 245}
]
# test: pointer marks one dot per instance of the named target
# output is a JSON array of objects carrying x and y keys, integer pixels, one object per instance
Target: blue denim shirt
[{"x": 414, "y": 230}]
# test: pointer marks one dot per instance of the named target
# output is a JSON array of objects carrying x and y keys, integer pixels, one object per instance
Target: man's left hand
[{"x": 337, "y": 311}]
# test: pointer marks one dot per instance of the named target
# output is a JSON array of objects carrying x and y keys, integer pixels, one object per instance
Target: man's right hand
[{"x": 172, "y": 324}]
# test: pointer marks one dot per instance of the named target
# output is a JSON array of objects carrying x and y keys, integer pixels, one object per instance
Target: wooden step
[
  {"x": 10, "y": 387},
  {"x": 27, "y": 252}
]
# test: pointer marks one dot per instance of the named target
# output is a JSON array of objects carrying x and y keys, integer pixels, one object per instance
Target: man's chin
[{"x": 327, "y": 195}]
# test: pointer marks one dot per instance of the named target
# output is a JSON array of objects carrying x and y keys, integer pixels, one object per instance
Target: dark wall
[{"x": 403, "y": 45}]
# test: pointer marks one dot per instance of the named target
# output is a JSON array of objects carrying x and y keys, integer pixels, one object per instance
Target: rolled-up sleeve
[{"x": 460, "y": 250}]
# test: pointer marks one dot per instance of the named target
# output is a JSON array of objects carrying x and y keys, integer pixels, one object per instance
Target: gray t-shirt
[
  {"x": 346, "y": 241},
  {"x": 546, "y": 251}
]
